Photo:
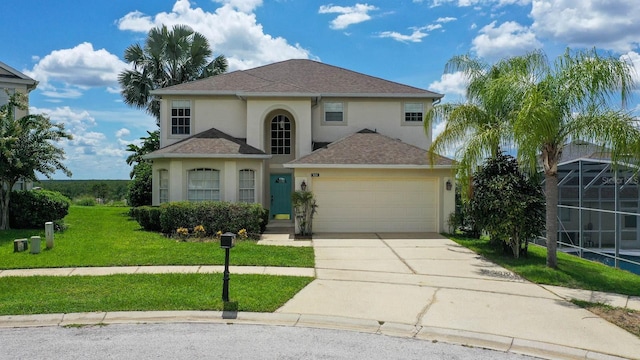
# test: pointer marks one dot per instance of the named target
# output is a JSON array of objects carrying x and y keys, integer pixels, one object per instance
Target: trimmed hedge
[
  {"x": 213, "y": 215},
  {"x": 31, "y": 209}
]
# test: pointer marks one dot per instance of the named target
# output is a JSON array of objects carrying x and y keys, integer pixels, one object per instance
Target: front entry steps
[{"x": 281, "y": 233}]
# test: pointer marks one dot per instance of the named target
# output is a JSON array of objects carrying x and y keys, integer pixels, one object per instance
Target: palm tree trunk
[{"x": 551, "y": 194}]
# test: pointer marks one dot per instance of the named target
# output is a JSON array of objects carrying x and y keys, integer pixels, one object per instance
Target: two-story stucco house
[
  {"x": 356, "y": 141},
  {"x": 12, "y": 81}
]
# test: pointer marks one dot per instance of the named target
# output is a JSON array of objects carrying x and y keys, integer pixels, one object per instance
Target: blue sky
[{"x": 75, "y": 48}]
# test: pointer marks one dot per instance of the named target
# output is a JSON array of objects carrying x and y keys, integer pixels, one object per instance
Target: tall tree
[
  {"x": 168, "y": 57},
  {"x": 547, "y": 105},
  {"x": 573, "y": 98},
  {"x": 27, "y": 146}
]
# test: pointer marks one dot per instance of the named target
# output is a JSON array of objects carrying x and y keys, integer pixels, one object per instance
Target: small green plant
[{"x": 305, "y": 207}]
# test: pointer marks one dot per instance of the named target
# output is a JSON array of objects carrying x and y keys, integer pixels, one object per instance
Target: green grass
[
  {"x": 106, "y": 236},
  {"x": 572, "y": 272},
  {"x": 48, "y": 295}
]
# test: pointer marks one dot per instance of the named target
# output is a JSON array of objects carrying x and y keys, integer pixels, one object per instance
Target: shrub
[
  {"x": 139, "y": 191},
  {"x": 147, "y": 216},
  {"x": 214, "y": 216},
  {"x": 85, "y": 201},
  {"x": 31, "y": 209}
]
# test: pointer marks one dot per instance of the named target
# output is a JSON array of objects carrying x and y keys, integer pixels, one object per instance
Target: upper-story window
[
  {"x": 413, "y": 112},
  {"x": 333, "y": 112},
  {"x": 280, "y": 135},
  {"x": 180, "y": 117}
]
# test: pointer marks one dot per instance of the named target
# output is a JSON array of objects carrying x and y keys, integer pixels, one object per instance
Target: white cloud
[
  {"x": 246, "y": 6},
  {"x": 232, "y": 31},
  {"x": 89, "y": 154},
  {"x": 78, "y": 68},
  {"x": 508, "y": 39},
  {"x": 123, "y": 132},
  {"x": 446, "y": 19},
  {"x": 609, "y": 24},
  {"x": 634, "y": 58},
  {"x": 451, "y": 84},
  {"x": 349, "y": 15},
  {"x": 416, "y": 36},
  {"x": 467, "y": 3}
]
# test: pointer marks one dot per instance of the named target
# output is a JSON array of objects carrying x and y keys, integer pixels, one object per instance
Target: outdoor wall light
[
  {"x": 303, "y": 186},
  {"x": 449, "y": 185}
]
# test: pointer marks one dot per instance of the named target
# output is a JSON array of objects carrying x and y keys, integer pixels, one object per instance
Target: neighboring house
[
  {"x": 356, "y": 141},
  {"x": 12, "y": 81},
  {"x": 598, "y": 204}
]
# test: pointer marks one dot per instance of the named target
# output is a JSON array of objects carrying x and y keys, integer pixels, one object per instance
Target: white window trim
[
  {"x": 252, "y": 188},
  {"x": 343, "y": 122},
  {"x": 170, "y": 133},
  {"x": 214, "y": 191},
  {"x": 404, "y": 114}
]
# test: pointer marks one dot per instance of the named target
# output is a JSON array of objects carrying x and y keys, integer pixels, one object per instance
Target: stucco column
[
  {"x": 177, "y": 186},
  {"x": 230, "y": 181},
  {"x": 255, "y": 126}
]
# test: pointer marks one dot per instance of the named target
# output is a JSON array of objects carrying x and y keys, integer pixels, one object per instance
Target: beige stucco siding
[
  {"x": 258, "y": 111},
  {"x": 386, "y": 116},
  {"x": 394, "y": 200},
  {"x": 229, "y": 170}
]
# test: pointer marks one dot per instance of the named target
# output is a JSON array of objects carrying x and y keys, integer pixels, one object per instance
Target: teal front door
[{"x": 280, "y": 196}]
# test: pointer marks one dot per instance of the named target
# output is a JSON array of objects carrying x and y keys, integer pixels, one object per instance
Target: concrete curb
[{"x": 451, "y": 336}]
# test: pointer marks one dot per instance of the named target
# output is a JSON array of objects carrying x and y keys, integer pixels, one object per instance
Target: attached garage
[
  {"x": 376, "y": 205},
  {"x": 368, "y": 182}
]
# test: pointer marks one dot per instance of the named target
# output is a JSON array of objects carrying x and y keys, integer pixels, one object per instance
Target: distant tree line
[{"x": 107, "y": 190}]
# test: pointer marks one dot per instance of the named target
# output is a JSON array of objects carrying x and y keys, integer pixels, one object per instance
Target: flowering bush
[
  {"x": 182, "y": 232},
  {"x": 243, "y": 234},
  {"x": 199, "y": 231}
]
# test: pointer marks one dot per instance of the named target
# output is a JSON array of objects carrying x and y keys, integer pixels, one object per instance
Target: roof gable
[
  {"x": 368, "y": 147},
  {"x": 209, "y": 143},
  {"x": 298, "y": 76},
  {"x": 11, "y": 75}
]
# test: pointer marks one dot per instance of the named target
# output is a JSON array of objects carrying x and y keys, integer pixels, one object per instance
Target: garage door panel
[{"x": 379, "y": 205}]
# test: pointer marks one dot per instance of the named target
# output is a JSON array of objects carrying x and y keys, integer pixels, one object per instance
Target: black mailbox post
[{"x": 227, "y": 241}]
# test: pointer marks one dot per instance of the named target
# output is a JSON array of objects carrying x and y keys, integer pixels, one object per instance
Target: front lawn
[
  {"x": 572, "y": 272},
  {"x": 106, "y": 236},
  {"x": 49, "y": 295}
]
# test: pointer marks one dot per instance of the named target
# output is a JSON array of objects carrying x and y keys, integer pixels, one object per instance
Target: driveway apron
[{"x": 428, "y": 281}]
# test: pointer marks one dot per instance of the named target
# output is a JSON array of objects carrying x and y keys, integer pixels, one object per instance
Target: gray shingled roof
[
  {"x": 297, "y": 77},
  {"x": 209, "y": 143},
  {"x": 583, "y": 150},
  {"x": 367, "y": 147}
]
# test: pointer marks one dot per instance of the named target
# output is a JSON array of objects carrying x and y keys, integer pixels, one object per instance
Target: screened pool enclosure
[{"x": 598, "y": 207}]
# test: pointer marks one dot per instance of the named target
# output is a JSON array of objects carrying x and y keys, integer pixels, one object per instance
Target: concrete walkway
[{"x": 413, "y": 285}]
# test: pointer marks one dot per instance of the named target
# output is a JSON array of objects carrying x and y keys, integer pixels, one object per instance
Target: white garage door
[{"x": 375, "y": 205}]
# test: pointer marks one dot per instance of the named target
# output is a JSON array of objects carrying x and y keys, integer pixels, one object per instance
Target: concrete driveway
[{"x": 424, "y": 283}]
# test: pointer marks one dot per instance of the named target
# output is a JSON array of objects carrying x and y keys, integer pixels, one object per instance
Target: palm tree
[
  {"x": 537, "y": 108},
  {"x": 169, "y": 57},
  {"x": 571, "y": 99}
]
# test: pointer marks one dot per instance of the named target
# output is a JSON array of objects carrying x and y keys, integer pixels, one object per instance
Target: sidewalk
[{"x": 422, "y": 286}]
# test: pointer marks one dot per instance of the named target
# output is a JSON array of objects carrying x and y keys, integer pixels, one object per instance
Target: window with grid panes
[
  {"x": 247, "y": 186},
  {"x": 413, "y": 112},
  {"x": 163, "y": 176},
  {"x": 280, "y": 135},
  {"x": 203, "y": 185},
  {"x": 180, "y": 117}
]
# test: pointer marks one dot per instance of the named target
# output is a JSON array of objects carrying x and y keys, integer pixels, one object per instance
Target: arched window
[
  {"x": 163, "y": 185},
  {"x": 280, "y": 135},
  {"x": 247, "y": 186},
  {"x": 203, "y": 185}
]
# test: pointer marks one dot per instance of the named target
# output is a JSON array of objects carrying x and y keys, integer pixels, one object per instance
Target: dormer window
[{"x": 180, "y": 117}]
